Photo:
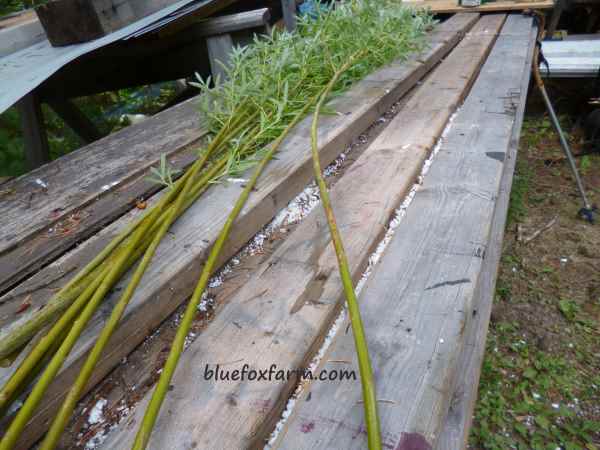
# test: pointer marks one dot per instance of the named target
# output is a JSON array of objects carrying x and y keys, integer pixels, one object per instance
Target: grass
[
  {"x": 540, "y": 381},
  {"x": 530, "y": 399}
]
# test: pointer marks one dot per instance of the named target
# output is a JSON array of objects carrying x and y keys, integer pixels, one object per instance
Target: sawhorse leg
[{"x": 34, "y": 132}]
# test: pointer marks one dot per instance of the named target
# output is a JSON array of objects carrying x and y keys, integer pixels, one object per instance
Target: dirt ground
[{"x": 540, "y": 383}]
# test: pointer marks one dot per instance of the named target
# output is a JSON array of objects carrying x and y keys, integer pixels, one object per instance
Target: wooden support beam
[
  {"x": 219, "y": 51},
  {"x": 289, "y": 14},
  {"x": 37, "y": 152},
  {"x": 76, "y": 120},
  {"x": 559, "y": 6},
  {"x": 233, "y": 22},
  {"x": 220, "y": 41}
]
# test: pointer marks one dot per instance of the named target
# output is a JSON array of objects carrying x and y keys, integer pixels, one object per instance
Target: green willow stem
[
  {"x": 7, "y": 394},
  {"x": 17, "y": 338},
  {"x": 362, "y": 351},
  {"x": 69, "y": 403},
  {"x": 145, "y": 430},
  {"x": 16, "y": 427},
  {"x": 20, "y": 421}
]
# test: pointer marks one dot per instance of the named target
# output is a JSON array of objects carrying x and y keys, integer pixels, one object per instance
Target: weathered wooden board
[
  {"x": 234, "y": 22},
  {"x": 179, "y": 260},
  {"x": 19, "y": 32},
  {"x": 97, "y": 184},
  {"x": 420, "y": 298},
  {"x": 458, "y": 421},
  {"x": 279, "y": 316},
  {"x": 452, "y": 6}
]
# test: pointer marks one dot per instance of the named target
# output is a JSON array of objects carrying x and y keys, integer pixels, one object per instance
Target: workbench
[{"x": 422, "y": 153}]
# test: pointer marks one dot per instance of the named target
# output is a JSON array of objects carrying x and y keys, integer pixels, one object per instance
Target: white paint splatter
[
  {"x": 40, "y": 183},
  {"x": 96, "y": 415}
]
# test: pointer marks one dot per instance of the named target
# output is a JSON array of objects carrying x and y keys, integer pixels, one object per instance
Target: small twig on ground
[{"x": 528, "y": 239}]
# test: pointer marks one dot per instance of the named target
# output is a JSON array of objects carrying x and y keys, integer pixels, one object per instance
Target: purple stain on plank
[
  {"x": 307, "y": 427},
  {"x": 413, "y": 441},
  {"x": 261, "y": 405}
]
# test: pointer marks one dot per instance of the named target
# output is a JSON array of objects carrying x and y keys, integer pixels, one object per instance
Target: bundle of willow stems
[{"x": 270, "y": 86}]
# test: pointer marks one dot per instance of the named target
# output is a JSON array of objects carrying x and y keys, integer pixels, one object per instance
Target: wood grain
[
  {"x": 97, "y": 184},
  {"x": 279, "y": 316},
  {"x": 458, "y": 421},
  {"x": 420, "y": 299},
  {"x": 179, "y": 258},
  {"x": 452, "y": 6}
]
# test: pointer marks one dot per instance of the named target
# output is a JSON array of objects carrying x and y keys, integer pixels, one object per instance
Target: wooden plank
[
  {"x": 278, "y": 317},
  {"x": 458, "y": 421},
  {"x": 419, "y": 299},
  {"x": 451, "y": 6},
  {"x": 178, "y": 261},
  {"x": 94, "y": 185},
  {"x": 234, "y": 22},
  {"x": 171, "y": 279},
  {"x": 69, "y": 22},
  {"x": 35, "y": 140}
]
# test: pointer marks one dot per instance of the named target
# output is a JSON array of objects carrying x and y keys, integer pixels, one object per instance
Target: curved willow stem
[
  {"x": 145, "y": 430},
  {"x": 360, "y": 341},
  {"x": 69, "y": 403},
  {"x": 114, "y": 272},
  {"x": 17, "y": 337}
]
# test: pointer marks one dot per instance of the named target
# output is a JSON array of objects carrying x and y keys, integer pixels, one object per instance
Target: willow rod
[
  {"x": 69, "y": 403},
  {"x": 18, "y": 337},
  {"x": 29, "y": 365},
  {"x": 18, "y": 424},
  {"x": 360, "y": 341},
  {"x": 145, "y": 430}
]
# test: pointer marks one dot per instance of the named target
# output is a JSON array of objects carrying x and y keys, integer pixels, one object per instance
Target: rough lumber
[
  {"x": 288, "y": 8},
  {"x": 179, "y": 259},
  {"x": 280, "y": 315},
  {"x": 233, "y": 22},
  {"x": 219, "y": 50},
  {"x": 458, "y": 421},
  {"x": 95, "y": 184},
  {"x": 420, "y": 298},
  {"x": 69, "y": 22},
  {"x": 452, "y": 6}
]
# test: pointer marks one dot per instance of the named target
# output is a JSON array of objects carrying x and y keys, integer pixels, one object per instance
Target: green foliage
[
  {"x": 568, "y": 308},
  {"x": 585, "y": 164},
  {"x": 518, "y": 195},
  {"x": 163, "y": 174},
  {"x": 274, "y": 76},
  {"x": 528, "y": 399},
  {"x": 11, "y": 6}
]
